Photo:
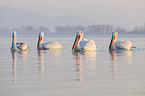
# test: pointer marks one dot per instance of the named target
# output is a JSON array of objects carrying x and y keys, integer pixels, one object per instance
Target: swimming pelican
[
  {"x": 48, "y": 45},
  {"x": 83, "y": 45},
  {"x": 20, "y": 46},
  {"x": 123, "y": 45}
]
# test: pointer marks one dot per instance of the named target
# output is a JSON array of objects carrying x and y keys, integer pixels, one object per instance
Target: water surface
[{"x": 64, "y": 73}]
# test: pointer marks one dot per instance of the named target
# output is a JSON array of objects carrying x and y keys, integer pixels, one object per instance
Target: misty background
[{"x": 69, "y": 16}]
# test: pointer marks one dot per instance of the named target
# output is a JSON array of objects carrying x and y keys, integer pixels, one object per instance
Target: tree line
[
  {"x": 73, "y": 29},
  {"x": 89, "y": 29},
  {"x": 25, "y": 29}
]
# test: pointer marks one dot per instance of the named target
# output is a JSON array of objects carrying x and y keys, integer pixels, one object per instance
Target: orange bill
[
  {"x": 112, "y": 41},
  {"x": 39, "y": 42},
  {"x": 76, "y": 42}
]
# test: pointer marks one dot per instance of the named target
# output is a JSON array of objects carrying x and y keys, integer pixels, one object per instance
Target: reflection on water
[
  {"x": 78, "y": 65},
  {"x": 115, "y": 53},
  {"x": 79, "y": 56},
  {"x": 14, "y": 63},
  {"x": 89, "y": 55},
  {"x": 41, "y": 65},
  {"x": 47, "y": 57},
  {"x": 53, "y": 54},
  {"x": 119, "y": 54},
  {"x": 23, "y": 55}
]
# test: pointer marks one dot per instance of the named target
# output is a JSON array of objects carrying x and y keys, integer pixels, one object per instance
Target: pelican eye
[{"x": 78, "y": 35}]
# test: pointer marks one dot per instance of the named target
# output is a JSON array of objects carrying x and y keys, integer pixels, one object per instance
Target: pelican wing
[
  {"x": 52, "y": 46},
  {"x": 88, "y": 45},
  {"x": 83, "y": 42},
  {"x": 127, "y": 45},
  {"x": 22, "y": 46}
]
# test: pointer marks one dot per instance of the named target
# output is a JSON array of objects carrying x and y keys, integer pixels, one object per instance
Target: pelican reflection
[
  {"x": 14, "y": 66},
  {"x": 23, "y": 55},
  {"x": 47, "y": 57},
  {"x": 119, "y": 55},
  {"x": 18, "y": 54},
  {"x": 41, "y": 66},
  {"x": 89, "y": 56},
  {"x": 125, "y": 55},
  {"x": 78, "y": 65},
  {"x": 54, "y": 55}
]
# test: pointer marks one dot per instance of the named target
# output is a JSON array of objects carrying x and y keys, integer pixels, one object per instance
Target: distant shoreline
[{"x": 69, "y": 35}]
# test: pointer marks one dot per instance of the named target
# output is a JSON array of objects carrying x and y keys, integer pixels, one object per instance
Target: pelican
[
  {"x": 20, "y": 46},
  {"x": 48, "y": 45},
  {"x": 123, "y": 45},
  {"x": 83, "y": 45}
]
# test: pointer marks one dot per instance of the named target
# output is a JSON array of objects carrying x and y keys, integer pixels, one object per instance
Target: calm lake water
[{"x": 63, "y": 73}]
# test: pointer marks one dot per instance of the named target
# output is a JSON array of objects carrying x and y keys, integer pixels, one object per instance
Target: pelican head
[
  {"x": 113, "y": 39},
  {"x": 13, "y": 47},
  {"x": 80, "y": 33},
  {"x": 14, "y": 34},
  {"x": 79, "y": 37},
  {"x": 14, "y": 37},
  {"x": 40, "y": 40},
  {"x": 115, "y": 34}
]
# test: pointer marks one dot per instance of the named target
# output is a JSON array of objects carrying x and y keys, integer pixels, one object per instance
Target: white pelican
[
  {"x": 48, "y": 45},
  {"x": 20, "y": 46},
  {"x": 83, "y": 45},
  {"x": 123, "y": 45}
]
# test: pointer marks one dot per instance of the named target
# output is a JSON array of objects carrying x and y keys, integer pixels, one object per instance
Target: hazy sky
[{"x": 123, "y": 13}]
